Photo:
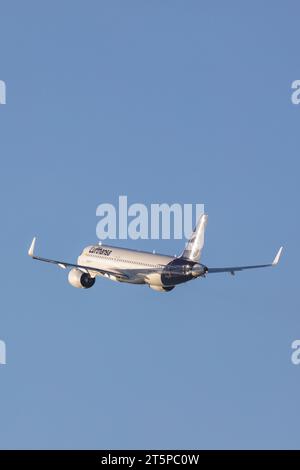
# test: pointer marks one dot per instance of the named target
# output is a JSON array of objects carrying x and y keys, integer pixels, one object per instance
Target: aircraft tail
[{"x": 195, "y": 244}]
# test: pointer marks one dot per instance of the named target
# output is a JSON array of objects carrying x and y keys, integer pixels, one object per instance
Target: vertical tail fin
[{"x": 195, "y": 244}]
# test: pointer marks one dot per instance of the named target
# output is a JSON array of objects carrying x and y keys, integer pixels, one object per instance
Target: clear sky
[{"x": 163, "y": 101}]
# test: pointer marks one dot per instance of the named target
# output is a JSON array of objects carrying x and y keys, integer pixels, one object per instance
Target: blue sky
[{"x": 164, "y": 101}]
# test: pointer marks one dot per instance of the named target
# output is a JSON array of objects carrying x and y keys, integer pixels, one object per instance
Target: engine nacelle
[
  {"x": 80, "y": 280},
  {"x": 161, "y": 288}
]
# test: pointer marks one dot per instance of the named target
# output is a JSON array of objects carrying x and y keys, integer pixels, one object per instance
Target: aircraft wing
[
  {"x": 233, "y": 269},
  {"x": 64, "y": 264}
]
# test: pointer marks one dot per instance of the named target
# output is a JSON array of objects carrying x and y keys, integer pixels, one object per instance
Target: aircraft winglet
[
  {"x": 31, "y": 249},
  {"x": 277, "y": 257}
]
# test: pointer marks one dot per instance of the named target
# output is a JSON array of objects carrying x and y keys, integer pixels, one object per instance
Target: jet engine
[{"x": 80, "y": 279}]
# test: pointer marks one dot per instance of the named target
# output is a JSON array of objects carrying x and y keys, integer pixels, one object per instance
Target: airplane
[{"x": 160, "y": 272}]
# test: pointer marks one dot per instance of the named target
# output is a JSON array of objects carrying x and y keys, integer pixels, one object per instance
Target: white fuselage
[{"x": 131, "y": 261}]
